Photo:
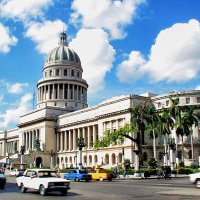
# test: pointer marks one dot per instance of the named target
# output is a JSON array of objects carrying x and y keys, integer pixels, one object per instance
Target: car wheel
[
  {"x": 42, "y": 190},
  {"x": 22, "y": 188},
  {"x": 101, "y": 179},
  {"x": 77, "y": 179},
  {"x": 64, "y": 192},
  {"x": 198, "y": 183},
  {"x": 110, "y": 179}
]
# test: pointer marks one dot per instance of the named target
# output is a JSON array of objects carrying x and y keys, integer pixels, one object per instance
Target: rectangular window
[
  {"x": 167, "y": 103},
  {"x": 198, "y": 99},
  {"x": 187, "y": 100}
]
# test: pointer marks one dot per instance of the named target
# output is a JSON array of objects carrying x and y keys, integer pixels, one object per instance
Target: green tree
[
  {"x": 136, "y": 127},
  {"x": 164, "y": 126}
]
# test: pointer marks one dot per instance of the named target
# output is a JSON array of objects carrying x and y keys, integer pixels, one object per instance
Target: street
[{"x": 145, "y": 189}]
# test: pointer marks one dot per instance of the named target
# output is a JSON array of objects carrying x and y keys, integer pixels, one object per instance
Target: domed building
[
  {"x": 62, "y": 84},
  {"x": 49, "y": 134}
]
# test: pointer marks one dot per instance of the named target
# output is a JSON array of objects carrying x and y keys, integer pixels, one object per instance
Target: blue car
[{"x": 78, "y": 175}]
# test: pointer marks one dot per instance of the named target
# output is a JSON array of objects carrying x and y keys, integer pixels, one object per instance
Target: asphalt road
[{"x": 143, "y": 189}]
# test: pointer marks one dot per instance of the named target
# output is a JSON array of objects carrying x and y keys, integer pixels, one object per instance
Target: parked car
[
  {"x": 78, "y": 175},
  {"x": 43, "y": 180},
  {"x": 2, "y": 179},
  {"x": 195, "y": 179},
  {"x": 16, "y": 172},
  {"x": 100, "y": 174}
]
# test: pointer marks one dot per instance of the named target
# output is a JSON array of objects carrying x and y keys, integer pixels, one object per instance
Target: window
[
  {"x": 57, "y": 72},
  {"x": 167, "y": 103},
  {"x": 65, "y": 72},
  {"x": 50, "y": 73},
  {"x": 77, "y": 74},
  {"x": 187, "y": 100},
  {"x": 198, "y": 99},
  {"x": 159, "y": 104},
  {"x": 72, "y": 73}
]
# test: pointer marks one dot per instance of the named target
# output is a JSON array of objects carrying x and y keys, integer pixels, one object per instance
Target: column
[
  {"x": 57, "y": 141},
  {"x": 74, "y": 139},
  {"x": 53, "y": 92},
  {"x": 117, "y": 124},
  {"x": 77, "y": 92},
  {"x": 65, "y": 141},
  {"x": 27, "y": 141},
  {"x": 63, "y": 91},
  {"x": 79, "y": 134},
  {"x": 58, "y": 91},
  {"x": 68, "y": 91},
  {"x": 89, "y": 138},
  {"x": 84, "y": 136},
  {"x": 70, "y": 141},
  {"x": 61, "y": 141},
  {"x": 111, "y": 127},
  {"x": 49, "y": 91},
  {"x": 94, "y": 134},
  {"x": 45, "y": 91},
  {"x": 73, "y": 91},
  {"x": 33, "y": 139}
]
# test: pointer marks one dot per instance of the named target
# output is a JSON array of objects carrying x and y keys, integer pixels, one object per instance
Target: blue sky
[{"x": 125, "y": 46}]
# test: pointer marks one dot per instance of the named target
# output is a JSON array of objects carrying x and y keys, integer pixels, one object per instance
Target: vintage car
[
  {"x": 43, "y": 180},
  {"x": 2, "y": 179},
  {"x": 100, "y": 174},
  {"x": 195, "y": 179},
  {"x": 16, "y": 172},
  {"x": 78, "y": 175}
]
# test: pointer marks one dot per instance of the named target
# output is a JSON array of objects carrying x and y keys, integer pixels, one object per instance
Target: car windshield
[
  {"x": 82, "y": 171},
  {"x": 47, "y": 174}
]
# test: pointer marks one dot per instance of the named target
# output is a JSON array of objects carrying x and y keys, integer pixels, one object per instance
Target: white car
[
  {"x": 43, "y": 180},
  {"x": 16, "y": 172},
  {"x": 195, "y": 179}
]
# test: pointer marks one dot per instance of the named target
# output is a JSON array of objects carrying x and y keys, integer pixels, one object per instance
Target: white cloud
[
  {"x": 96, "y": 56},
  {"x": 175, "y": 55},
  {"x": 23, "y": 10},
  {"x": 6, "y": 39},
  {"x": 45, "y": 34},
  {"x": 132, "y": 69},
  {"x": 12, "y": 115},
  {"x": 198, "y": 87},
  {"x": 108, "y": 14},
  {"x": 17, "y": 88}
]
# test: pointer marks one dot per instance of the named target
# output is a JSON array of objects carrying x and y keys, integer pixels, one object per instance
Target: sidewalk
[{"x": 133, "y": 177}]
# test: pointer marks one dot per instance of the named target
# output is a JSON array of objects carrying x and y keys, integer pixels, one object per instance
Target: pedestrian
[
  {"x": 125, "y": 170},
  {"x": 116, "y": 171}
]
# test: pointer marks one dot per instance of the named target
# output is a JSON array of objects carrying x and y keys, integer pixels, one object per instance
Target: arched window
[
  {"x": 95, "y": 159},
  {"x": 65, "y": 72},
  {"x": 72, "y": 73},
  {"x": 106, "y": 159},
  {"x": 57, "y": 72},
  {"x": 90, "y": 159},
  {"x": 113, "y": 159},
  {"x": 120, "y": 157}
]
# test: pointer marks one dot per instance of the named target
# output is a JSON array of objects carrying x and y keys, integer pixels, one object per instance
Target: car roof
[{"x": 39, "y": 169}]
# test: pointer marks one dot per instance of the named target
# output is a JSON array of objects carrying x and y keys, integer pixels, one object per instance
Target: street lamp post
[{"x": 81, "y": 144}]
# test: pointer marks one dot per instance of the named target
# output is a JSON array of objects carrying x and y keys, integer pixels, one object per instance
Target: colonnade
[
  {"x": 62, "y": 91},
  {"x": 67, "y": 140},
  {"x": 28, "y": 139}
]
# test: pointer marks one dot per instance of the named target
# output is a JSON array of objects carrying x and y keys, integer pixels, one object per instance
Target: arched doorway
[{"x": 38, "y": 161}]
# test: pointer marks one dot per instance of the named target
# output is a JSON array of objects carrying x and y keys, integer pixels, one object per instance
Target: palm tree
[
  {"x": 152, "y": 121},
  {"x": 175, "y": 111},
  {"x": 164, "y": 126},
  {"x": 192, "y": 119}
]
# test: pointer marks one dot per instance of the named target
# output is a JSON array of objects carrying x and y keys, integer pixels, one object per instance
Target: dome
[{"x": 62, "y": 53}]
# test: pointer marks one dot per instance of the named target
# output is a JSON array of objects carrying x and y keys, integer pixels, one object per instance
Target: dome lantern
[{"x": 63, "y": 39}]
